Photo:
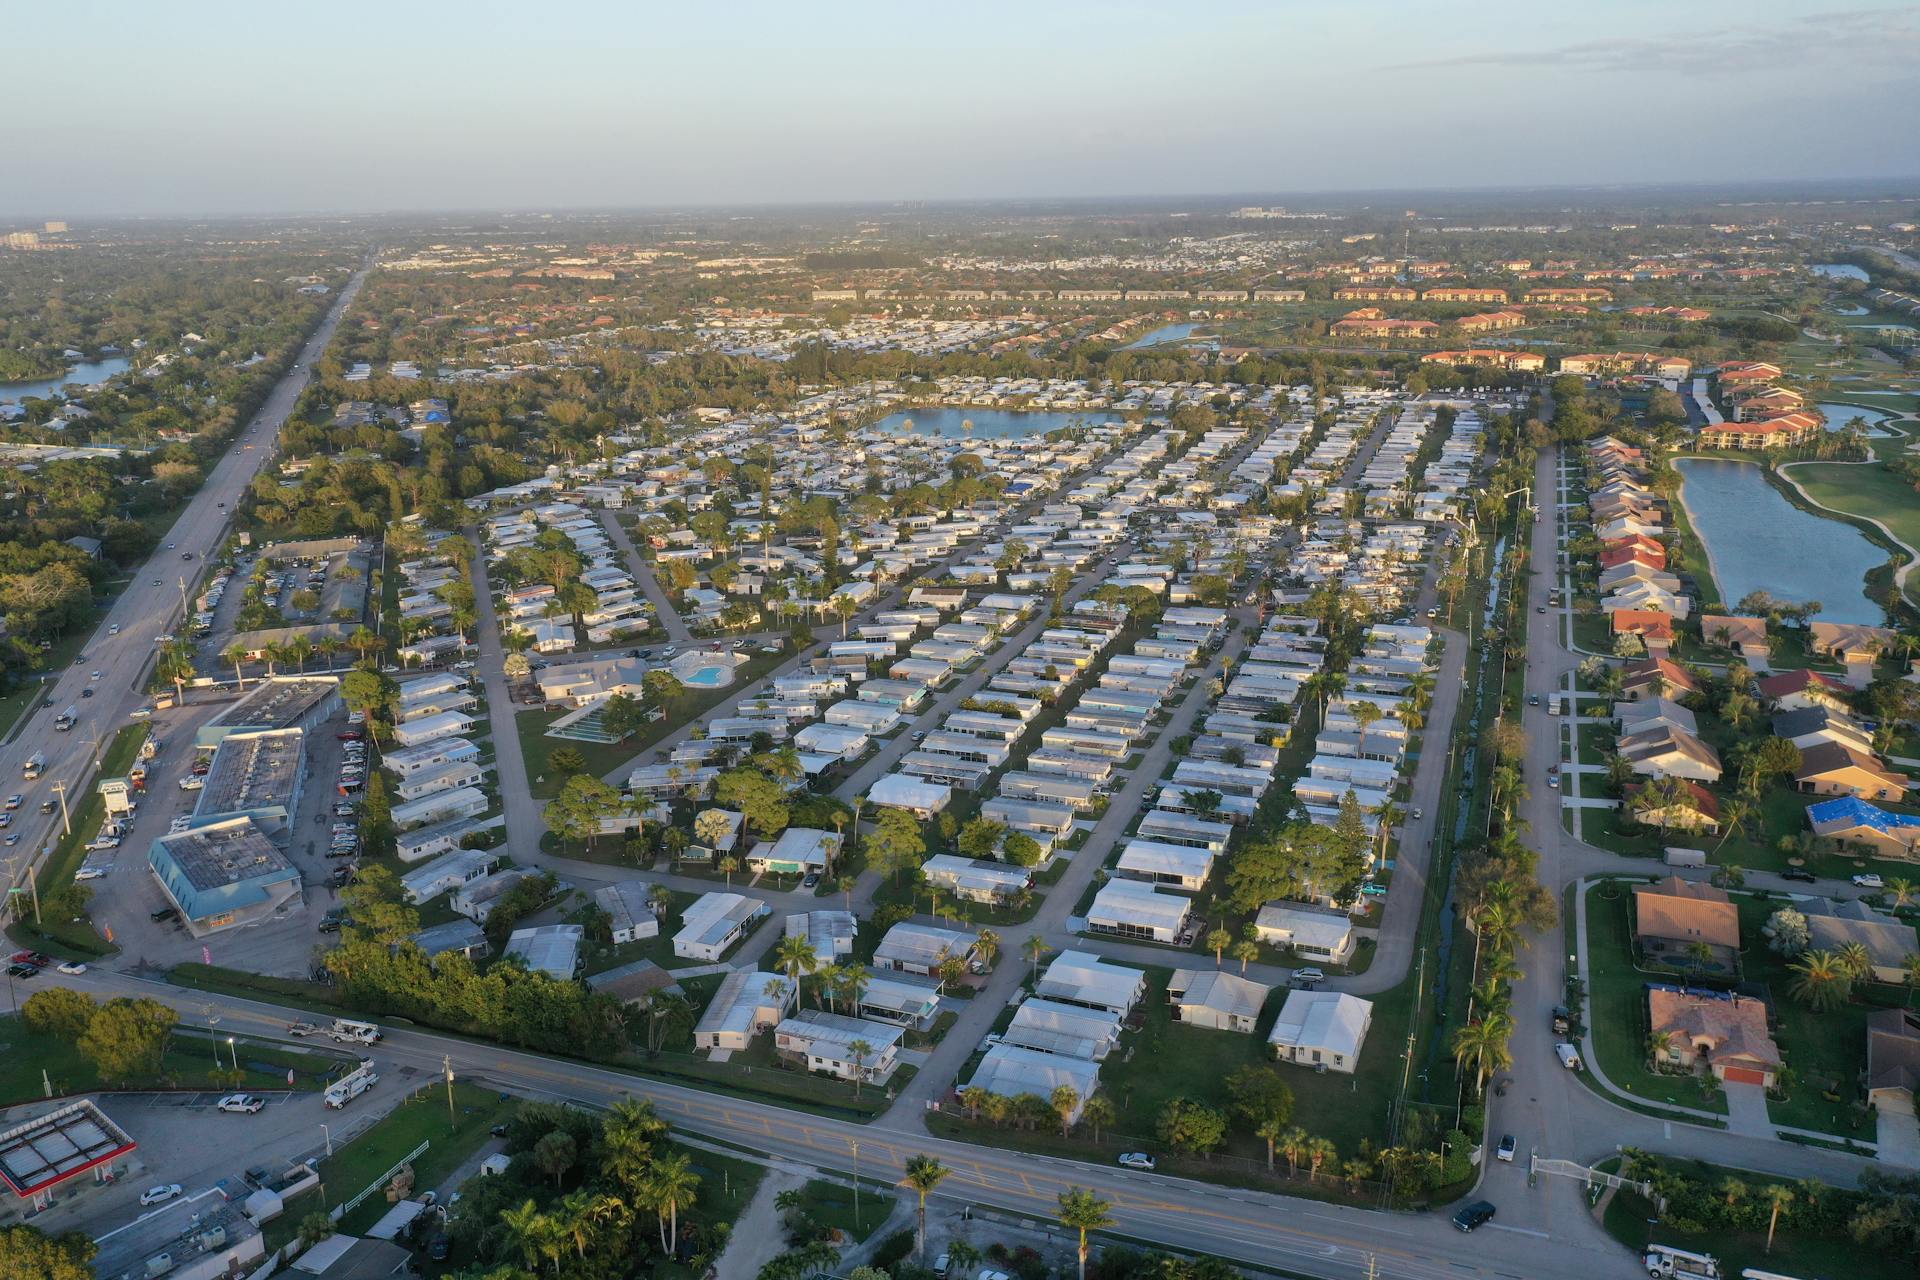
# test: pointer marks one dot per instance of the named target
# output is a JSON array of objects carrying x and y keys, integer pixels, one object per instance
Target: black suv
[
  {"x": 1801, "y": 874},
  {"x": 1477, "y": 1214}
]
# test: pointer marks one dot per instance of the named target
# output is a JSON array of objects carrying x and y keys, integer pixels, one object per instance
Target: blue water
[
  {"x": 707, "y": 678},
  {"x": 84, "y": 373},
  {"x": 988, "y": 424},
  {"x": 1164, "y": 334},
  {"x": 1839, "y": 271},
  {"x": 1839, "y": 415},
  {"x": 1758, "y": 541}
]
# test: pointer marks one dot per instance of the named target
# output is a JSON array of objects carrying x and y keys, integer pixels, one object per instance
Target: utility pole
[
  {"x": 33, "y": 887},
  {"x": 183, "y": 600},
  {"x": 856, "y": 1182},
  {"x": 446, "y": 1063},
  {"x": 66, "y": 818}
]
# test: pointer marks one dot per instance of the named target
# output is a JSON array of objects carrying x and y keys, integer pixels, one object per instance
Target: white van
[{"x": 1568, "y": 1055}]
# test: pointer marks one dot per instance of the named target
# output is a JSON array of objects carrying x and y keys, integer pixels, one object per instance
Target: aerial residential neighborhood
[{"x": 642, "y": 673}]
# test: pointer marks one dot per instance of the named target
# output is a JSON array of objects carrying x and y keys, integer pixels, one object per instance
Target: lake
[
  {"x": 1756, "y": 540},
  {"x": 85, "y": 373},
  {"x": 1161, "y": 336},
  {"x": 1839, "y": 271},
  {"x": 988, "y": 424},
  {"x": 1839, "y": 415}
]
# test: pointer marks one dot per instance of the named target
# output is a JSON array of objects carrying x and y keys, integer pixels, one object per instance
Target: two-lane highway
[
  {"x": 1297, "y": 1236},
  {"x": 123, "y": 644}
]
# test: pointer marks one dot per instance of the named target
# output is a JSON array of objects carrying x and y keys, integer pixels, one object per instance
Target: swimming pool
[{"x": 708, "y": 678}]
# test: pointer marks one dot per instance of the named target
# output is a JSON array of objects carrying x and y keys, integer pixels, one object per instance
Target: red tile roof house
[
  {"x": 1727, "y": 1034},
  {"x": 1655, "y": 678},
  {"x": 1804, "y": 687},
  {"x": 1654, "y": 628},
  {"x": 1672, "y": 915},
  {"x": 1698, "y": 813},
  {"x": 1638, "y": 542}
]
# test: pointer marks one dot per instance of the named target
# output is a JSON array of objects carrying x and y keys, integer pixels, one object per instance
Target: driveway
[{"x": 1747, "y": 1110}]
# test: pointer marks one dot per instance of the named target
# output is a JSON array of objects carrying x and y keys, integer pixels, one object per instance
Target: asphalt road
[
  {"x": 1302, "y": 1237},
  {"x": 150, "y": 606}
]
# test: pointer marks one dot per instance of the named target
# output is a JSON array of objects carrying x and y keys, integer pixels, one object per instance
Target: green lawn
[
  {"x": 1619, "y": 1006},
  {"x": 1826, "y": 1050},
  {"x": 1867, "y": 491},
  {"x": 421, "y": 1117},
  {"x": 188, "y": 1064},
  {"x": 543, "y": 780},
  {"x": 832, "y": 1205}
]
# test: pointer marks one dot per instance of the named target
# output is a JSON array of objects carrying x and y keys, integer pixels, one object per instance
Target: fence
[{"x": 342, "y": 1210}]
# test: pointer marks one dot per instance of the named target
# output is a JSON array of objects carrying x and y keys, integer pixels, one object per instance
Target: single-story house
[
  {"x": 747, "y": 1002},
  {"x": 713, "y": 923},
  {"x": 1134, "y": 909},
  {"x": 1314, "y": 933},
  {"x": 1852, "y": 821},
  {"x": 1322, "y": 1029},
  {"x": 840, "y": 1046},
  {"x": 1722, "y": 1031},
  {"x": 1216, "y": 999},
  {"x": 1833, "y": 769},
  {"x": 1672, "y": 916},
  {"x": 920, "y": 948}
]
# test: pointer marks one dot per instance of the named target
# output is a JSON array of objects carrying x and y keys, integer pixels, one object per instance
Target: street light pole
[
  {"x": 66, "y": 816},
  {"x": 856, "y": 1181},
  {"x": 234, "y": 1050},
  {"x": 328, "y": 1135}
]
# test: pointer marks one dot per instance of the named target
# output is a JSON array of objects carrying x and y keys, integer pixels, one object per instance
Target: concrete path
[
  {"x": 757, "y": 1236},
  {"x": 1747, "y": 1110},
  {"x": 643, "y": 577}
]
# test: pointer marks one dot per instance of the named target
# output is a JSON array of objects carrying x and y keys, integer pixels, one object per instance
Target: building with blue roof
[
  {"x": 1851, "y": 820},
  {"x": 223, "y": 875}
]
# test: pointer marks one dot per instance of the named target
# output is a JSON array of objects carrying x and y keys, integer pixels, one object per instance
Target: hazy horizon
[{"x": 220, "y": 108}]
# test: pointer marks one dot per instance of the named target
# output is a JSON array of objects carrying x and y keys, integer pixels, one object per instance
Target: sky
[{"x": 116, "y": 107}]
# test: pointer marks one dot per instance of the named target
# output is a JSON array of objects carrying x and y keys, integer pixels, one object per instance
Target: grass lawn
[
  {"x": 1826, "y": 1050},
  {"x": 421, "y": 1117},
  {"x": 1619, "y": 1006},
  {"x": 543, "y": 780},
  {"x": 188, "y": 1064},
  {"x": 832, "y": 1205},
  {"x": 1630, "y": 1220},
  {"x": 1867, "y": 491}
]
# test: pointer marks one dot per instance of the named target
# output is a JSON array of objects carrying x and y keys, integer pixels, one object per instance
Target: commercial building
[
  {"x": 224, "y": 874},
  {"x": 254, "y": 774},
  {"x": 44, "y": 1152},
  {"x": 277, "y": 702}
]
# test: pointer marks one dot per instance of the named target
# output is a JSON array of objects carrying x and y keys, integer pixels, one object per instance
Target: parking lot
[{"x": 126, "y": 895}]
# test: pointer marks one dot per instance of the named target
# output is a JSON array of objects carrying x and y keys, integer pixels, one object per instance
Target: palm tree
[
  {"x": 963, "y": 1257},
  {"x": 796, "y": 956},
  {"x": 532, "y": 1231},
  {"x": 1778, "y": 1197},
  {"x": 1083, "y": 1211},
  {"x": 1856, "y": 960},
  {"x": 859, "y": 1050},
  {"x": 924, "y": 1173},
  {"x": 728, "y": 865},
  {"x": 711, "y": 827},
  {"x": 1271, "y": 1131},
  {"x": 1319, "y": 1152},
  {"x": 235, "y": 655},
  {"x": 853, "y": 985},
  {"x": 1901, "y": 892},
  {"x": 1484, "y": 1043},
  {"x": 1659, "y": 1045},
  {"x": 1246, "y": 953},
  {"x": 1910, "y": 974},
  {"x": 1218, "y": 940},
  {"x": 1820, "y": 980},
  {"x": 671, "y": 1184},
  {"x": 1065, "y": 1100},
  {"x": 987, "y": 947},
  {"x": 1097, "y": 1112},
  {"x": 329, "y": 647},
  {"x": 1036, "y": 948},
  {"x": 1366, "y": 715}
]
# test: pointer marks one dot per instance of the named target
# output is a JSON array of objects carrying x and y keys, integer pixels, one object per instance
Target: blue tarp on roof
[{"x": 1857, "y": 812}]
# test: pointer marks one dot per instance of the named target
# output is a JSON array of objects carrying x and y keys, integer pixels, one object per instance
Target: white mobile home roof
[
  {"x": 1153, "y": 859},
  {"x": 1080, "y": 977},
  {"x": 1140, "y": 905}
]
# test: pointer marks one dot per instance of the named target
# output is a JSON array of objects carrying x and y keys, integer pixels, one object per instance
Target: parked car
[
  {"x": 1137, "y": 1160},
  {"x": 1308, "y": 977},
  {"x": 160, "y": 1194},
  {"x": 1477, "y": 1214},
  {"x": 1868, "y": 880},
  {"x": 13, "y": 802},
  {"x": 1507, "y": 1145},
  {"x": 245, "y": 1103},
  {"x": 23, "y": 971},
  {"x": 302, "y": 1029},
  {"x": 164, "y": 913},
  {"x": 1800, "y": 874}
]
